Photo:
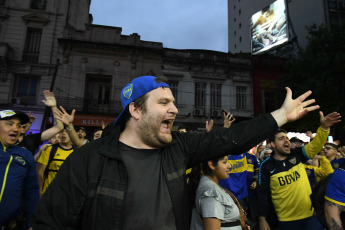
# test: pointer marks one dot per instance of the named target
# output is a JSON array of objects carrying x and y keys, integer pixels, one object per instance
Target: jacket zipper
[{"x": 5, "y": 177}]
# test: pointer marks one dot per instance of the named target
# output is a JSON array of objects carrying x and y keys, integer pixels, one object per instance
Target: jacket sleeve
[
  {"x": 316, "y": 145},
  {"x": 264, "y": 190},
  {"x": 237, "y": 139},
  {"x": 31, "y": 191},
  {"x": 61, "y": 204},
  {"x": 324, "y": 169}
]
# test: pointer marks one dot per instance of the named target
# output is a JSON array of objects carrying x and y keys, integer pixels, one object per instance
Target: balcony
[{"x": 92, "y": 106}]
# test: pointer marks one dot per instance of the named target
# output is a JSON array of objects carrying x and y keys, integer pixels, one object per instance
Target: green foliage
[{"x": 320, "y": 67}]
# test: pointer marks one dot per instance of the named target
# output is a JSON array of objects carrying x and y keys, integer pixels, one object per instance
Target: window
[
  {"x": 234, "y": 19},
  {"x": 216, "y": 92},
  {"x": 98, "y": 88},
  {"x": 240, "y": 39},
  {"x": 235, "y": 32},
  {"x": 200, "y": 94},
  {"x": 32, "y": 44},
  {"x": 241, "y": 99},
  {"x": 38, "y": 4},
  {"x": 97, "y": 93},
  {"x": 26, "y": 90},
  {"x": 267, "y": 102},
  {"x": 174, "y": 88},
  {"x": 239, "y": 12},
  {"x": 239, "y": 25}
]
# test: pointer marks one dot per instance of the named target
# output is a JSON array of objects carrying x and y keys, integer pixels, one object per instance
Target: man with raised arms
[{"x": 134, "y": 176}]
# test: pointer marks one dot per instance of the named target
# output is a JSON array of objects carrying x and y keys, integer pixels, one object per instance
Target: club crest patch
[
  {"x": 127, "y": 91},
  {"x": 336, "y": 165},
  {"x": 20, "y": 160},
  {"x": 293, "y": 160},
  {"x": 250, "y": 161}
]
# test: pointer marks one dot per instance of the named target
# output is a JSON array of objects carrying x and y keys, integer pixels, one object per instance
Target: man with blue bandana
[
  {"x": 134, "y": 176},
  {"x": 18, "y": 178}
]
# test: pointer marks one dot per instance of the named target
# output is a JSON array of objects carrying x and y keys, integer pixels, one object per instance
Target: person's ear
[
  {"x": 273, "y": 144},
  {"x": 210, "y": 165},
  {"x": 134, "y": 111}
]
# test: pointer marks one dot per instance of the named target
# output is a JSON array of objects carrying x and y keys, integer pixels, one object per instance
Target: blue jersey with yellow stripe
[
  {"x": 237, "y": 181},
  {"x": 336, "y": 187}
]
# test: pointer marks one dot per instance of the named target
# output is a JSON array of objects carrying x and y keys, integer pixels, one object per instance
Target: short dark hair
[
  {"x": 296, "y": 140},
  {"x": 206, "y": 168},
  {"x": 138, "y": 103},
  {"x": 272, "y": 138}
]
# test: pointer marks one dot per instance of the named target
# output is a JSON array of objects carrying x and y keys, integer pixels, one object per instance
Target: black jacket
[{"x": 90, "y": 188}]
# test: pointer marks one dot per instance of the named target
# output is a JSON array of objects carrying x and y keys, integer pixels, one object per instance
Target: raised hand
[
  {"x": 31, "y": 117},
  {"x": 63, "y": 116},
  {"x": 50, "y": 100},
  {"x": 292, "y": 110},
  {"x": 228, "y": 119},
  {"x": 209, "y": 125},
  {"x": 329, "y": 120},
  {"x": 296, "y": 109}
]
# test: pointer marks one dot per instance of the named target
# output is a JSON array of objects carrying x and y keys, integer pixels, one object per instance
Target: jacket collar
[{"x": 109, "y": 144}]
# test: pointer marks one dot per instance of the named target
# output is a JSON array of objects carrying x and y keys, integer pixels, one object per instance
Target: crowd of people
[{"x": 139, "y": 174}]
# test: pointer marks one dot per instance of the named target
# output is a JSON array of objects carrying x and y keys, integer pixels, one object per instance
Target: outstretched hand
[
  {"x": 50, "y": 100},
  {"x": 63, "y": 116},
  {"x": 329, "y": 120},
  {"x": 296, "y": 109},
  {"x": 292, "y": 110}
]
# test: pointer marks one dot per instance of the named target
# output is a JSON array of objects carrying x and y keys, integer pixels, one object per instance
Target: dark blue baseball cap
[{"x": 135, "y": 89}]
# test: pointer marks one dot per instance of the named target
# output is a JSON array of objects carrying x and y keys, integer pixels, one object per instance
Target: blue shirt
[
  {"x": 337, "y": 162},
  {"x": 242, "y": 170},
  {"x": 336, "y": 187}
]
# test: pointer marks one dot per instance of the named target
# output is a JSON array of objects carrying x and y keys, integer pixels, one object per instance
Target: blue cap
[{"x": 137, "y": 88}]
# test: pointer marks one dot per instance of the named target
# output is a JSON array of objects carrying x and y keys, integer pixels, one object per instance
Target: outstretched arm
[
  {"x": 50, "y": 101},
  {"x": 324, "y": 169},
  {"x": 292, "y": 110},
  {"x": 316, "y": 145}
]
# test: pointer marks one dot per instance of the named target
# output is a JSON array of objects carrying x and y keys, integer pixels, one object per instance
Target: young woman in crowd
[{"x": 215, "y": 208}]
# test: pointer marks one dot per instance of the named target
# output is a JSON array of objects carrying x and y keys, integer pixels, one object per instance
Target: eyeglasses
[{"x": 328, "y": 148}]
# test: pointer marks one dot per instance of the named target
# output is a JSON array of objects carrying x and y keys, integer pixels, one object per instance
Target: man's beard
[{"x": 149, "y": 131}]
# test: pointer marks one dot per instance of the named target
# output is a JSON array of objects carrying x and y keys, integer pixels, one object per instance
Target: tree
[{"x": 320, "y": 67}]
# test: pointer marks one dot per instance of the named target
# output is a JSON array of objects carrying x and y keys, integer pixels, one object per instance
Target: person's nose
[
  {"x": 15, "y": 128},
  {"x": 173, "y": 109}
]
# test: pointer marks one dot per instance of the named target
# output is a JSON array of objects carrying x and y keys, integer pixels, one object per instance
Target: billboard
[{"x": 269, "y": 27}]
